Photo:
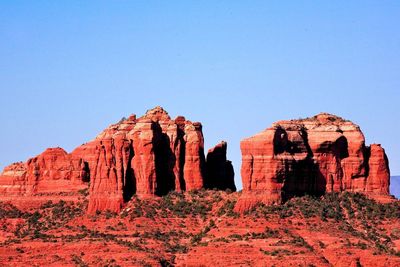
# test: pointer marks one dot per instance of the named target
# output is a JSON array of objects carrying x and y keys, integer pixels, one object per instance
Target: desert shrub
[
  {"x": 298, "y": 241},
  {"x": 183, "y": 208},
  {"x": 110, "y": 214},
  {"x": 216, "y": 197},
  {"x": 177, "y": 248},
  {"x": 348, "y": 228},
  {"x": 362, "y": 245},
  {"x": 84, "y": 192},
  {"x": 13, "y": 212},
  {"x": 63, "y": 211},
  {"x": 321, "y": 244},
  {"x": 285, "y": 211},
  {"x": 196, "y": 238},
  {"x": 268, "y": 233},
  {"x": 150, "y": 212},
  {"x": 34, "y": 218},
  {"x": 372, "y": 210},
  {"x": 278, "y": 252},
  {"x": 227, "y": 209},
  {"x": 136, "y": 212},
  {"x": 165, "y": 263},
  {"x": 47, "y": 205},
  {"x": 236, "y": 237},
  {"x": 395, "y": 234},
  {"x": 78, "y": 261},
  {"x": 329, "y": 206}
]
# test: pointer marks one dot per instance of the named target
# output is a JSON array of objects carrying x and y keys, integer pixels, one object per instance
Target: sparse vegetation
[
  {"x": 180, "y": 223},
  {"x": 331, "y": 206}
]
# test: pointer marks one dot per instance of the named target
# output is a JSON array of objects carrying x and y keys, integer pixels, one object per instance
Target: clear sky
[{"x": 68, "y": 69}]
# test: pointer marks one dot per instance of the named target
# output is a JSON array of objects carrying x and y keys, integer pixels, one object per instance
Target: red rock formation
[
  {"x": 178, "y": 148},
  {"x": 12, "y": 179},
  {"x": 55, "y": 170},
  {"x": 108, "y": 158},
  {"x": 378, "y": 180},
  {"x": 220, "y": 173},
  {"x": 312, "y": 156},
  {"x": 143, "y": 162},
  {"x": 109, "y": 174},
  {"x": 52, "y": 171},
  {"x": 158, "y": 155},
  {"x": 194, "y": 156},
  {"x": 148, "y": 156},
  {"x": 167, "y": 141}
]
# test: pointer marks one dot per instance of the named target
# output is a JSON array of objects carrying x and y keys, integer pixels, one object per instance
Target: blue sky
[{"x": 68, "y": 69}]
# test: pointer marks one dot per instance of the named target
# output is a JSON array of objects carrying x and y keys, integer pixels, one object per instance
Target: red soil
[{"x": 201, "y": 229}]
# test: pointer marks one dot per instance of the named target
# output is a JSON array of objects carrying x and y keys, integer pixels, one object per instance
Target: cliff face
[
  {"x": 148, "y": 156},
  {"x": 52, "y": 171},
  {"x": 312, "y": 156},
  {"x": 378, "y": 176},
  {"x": 154, "y": 154}
]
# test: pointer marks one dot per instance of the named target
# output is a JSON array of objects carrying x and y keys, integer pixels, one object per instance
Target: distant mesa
[
  {"x": 395, "y": 186},
  {"x": 324, "y": 153},
  {"x": 148, "y": 156}
]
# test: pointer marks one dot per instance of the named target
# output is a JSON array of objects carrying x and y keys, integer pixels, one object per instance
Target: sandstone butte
[
  {"x": 324, "y": 153},
  {"x": 44, "y": 201},
  {"x": 148, "y": 156},
  {"x": 154, "y": 154}
]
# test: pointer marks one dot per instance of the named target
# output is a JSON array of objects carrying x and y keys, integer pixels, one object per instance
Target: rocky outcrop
[
  {"x": 220, "y": 173},
  {"x": 194, "y": 156},
  {"x": 52, "y": 171},
  {"x": 147, "y": 156},
  {"x": 378, "y": 180},
  {"x": 108, "y": 158},
  {"x": 321, "y": 154},
  {"x": 144, "y": 160},
  {"x": 12, "y": 180}
]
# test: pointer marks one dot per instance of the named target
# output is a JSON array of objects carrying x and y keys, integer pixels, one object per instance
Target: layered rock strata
[
  {"x": 147, "y": 156},
  {"x": 52, "y": 171},
  {"x": 321, "y": 154}
]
